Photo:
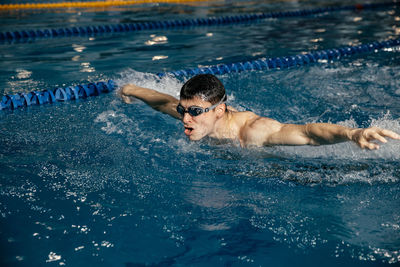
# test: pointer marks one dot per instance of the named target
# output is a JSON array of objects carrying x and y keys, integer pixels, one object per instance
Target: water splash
[{"x": 168, "y": 84}]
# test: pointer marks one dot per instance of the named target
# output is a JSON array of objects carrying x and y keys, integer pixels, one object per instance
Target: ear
[{"x": 220, "y": 110}]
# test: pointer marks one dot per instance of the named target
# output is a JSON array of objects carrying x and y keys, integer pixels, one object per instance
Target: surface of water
[{"x": 101, "y": 182}]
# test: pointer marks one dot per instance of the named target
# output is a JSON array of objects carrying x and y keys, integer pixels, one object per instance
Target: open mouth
[{"x": 188, "y": 130}]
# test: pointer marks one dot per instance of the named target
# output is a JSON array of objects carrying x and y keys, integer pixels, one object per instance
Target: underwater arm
[{"x": 158, "y": 101}]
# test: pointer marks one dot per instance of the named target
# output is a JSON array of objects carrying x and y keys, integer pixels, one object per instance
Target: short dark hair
[{"x": 205, "y": 86}]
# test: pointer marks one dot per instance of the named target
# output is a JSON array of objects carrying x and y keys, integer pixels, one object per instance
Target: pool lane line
[
  {"x": 26, "y": 35},
  {"x": 91, "y": 4},
  {"x": 93, "y": 89},
  {"x": 286, "y": 61},
  {"x": 57, "y": 95}
]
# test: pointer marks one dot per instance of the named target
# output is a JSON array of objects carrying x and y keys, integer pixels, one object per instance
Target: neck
[{"x": 224, "y": 127}]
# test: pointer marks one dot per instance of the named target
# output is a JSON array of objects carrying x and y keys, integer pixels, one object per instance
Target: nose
[{"x": 186, "y": 118}]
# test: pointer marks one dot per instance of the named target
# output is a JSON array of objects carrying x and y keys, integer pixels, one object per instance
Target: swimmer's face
[{"x": 197, "y": 127}]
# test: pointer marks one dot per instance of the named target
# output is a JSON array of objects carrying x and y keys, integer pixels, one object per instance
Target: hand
[
  {"x": 364, "y": 137},
  {"x": 123, "y": 93},
  {"x": 125, "y": 98}
]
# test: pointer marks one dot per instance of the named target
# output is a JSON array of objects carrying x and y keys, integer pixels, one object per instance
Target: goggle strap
[{"x": 215, "y": 105}]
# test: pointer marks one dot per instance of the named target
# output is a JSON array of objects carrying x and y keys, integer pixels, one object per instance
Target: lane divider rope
[
  {"x": 286, "y": 61},
  {"x": 24, "y": 35},
  {"x": 56, "y": 95},
  {"x": 93, "y": 89},
  {"x": 90, "y": 4}
]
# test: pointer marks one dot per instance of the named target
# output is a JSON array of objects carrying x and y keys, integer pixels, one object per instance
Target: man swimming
[{"x": 203, "y": 112}]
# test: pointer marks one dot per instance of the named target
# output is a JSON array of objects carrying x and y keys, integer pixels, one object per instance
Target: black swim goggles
[{"x": 196, "y": 110}]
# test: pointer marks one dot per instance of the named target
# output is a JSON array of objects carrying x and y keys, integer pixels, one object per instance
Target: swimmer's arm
[
  {"x": 275, "y": 133},
  {"x": 158, "y": 101},
  {"x": 325, "y": 133}
]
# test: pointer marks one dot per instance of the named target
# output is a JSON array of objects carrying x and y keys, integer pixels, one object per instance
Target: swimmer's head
[
  {"x": 207, "y": 87},
  {"x": 201, "y": 105}
]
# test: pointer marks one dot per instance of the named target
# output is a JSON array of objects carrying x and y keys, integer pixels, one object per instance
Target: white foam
[
  {"x": 166, "y": 84},
  {"x": 116, "y": 122}
]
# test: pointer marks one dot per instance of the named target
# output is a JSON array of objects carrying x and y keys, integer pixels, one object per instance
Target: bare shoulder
[
  {"x": 249, "y": 120},
  {"x": 241, "y": 118},
  {"x": 258, "y": 122},
  {"x": 254, "y": 129}
]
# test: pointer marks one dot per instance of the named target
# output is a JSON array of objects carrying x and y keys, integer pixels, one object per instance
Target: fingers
[
  {"x": 369, "y": 145},
  {"x": 380, "y": 134},
  {"x": 377, "y": 136},
  {"x": 127, "y": 99},
  {"x": 390, "y": 134},
  {"x": 372, "y": 146},
  {"x": 374, "y": 133}
]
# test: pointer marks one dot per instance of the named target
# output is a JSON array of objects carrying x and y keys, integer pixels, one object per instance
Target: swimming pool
[{"x": 99, "y": 182}]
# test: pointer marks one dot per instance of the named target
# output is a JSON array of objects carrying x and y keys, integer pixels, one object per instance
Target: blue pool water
[{"x": 100, "y": 182}]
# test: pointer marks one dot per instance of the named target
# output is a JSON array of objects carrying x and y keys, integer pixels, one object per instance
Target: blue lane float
[
  {"x": 56, "y": 95},
  {"x": 160, "y": 25},
  {"x": 286, "y": 61},
  {"x": 94, "y": 89}
]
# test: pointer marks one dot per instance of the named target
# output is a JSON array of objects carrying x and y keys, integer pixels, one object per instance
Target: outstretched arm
[
  {"x": 264, "y": 131},
  {"x": 323, "y": 133},
  {"x": 158, "y": 101}
]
